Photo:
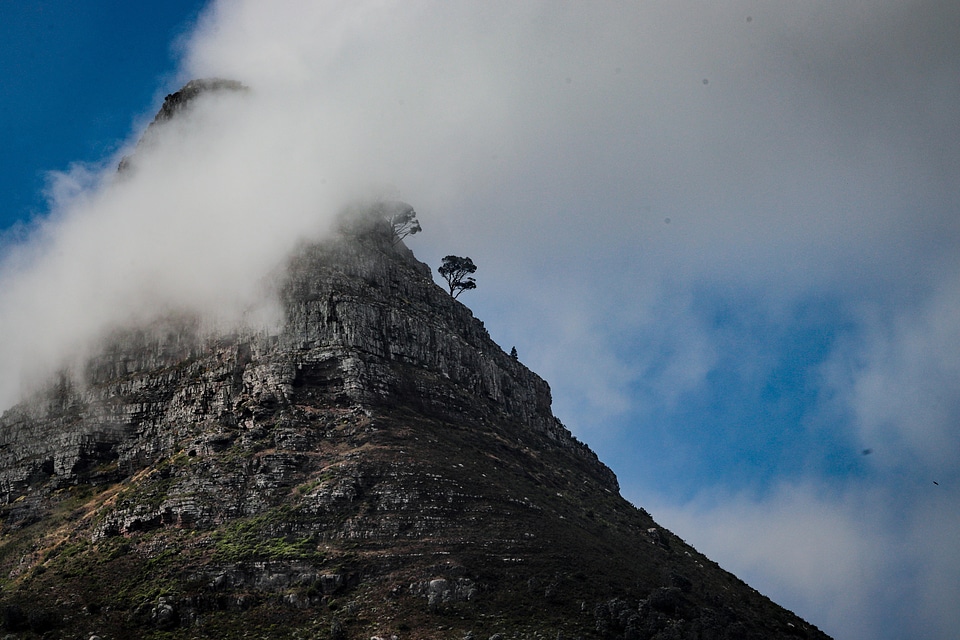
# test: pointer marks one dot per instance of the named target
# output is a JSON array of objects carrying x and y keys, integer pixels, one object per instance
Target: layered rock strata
[{"x": 378, "y": 467}]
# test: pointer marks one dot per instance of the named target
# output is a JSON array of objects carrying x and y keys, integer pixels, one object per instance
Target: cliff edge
[{"x": 378, "y": 467}]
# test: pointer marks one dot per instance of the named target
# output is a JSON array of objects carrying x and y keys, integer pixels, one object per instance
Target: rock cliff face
[
  {"x": 364, "y": 327},
  {"x": 379, "y": 467}
]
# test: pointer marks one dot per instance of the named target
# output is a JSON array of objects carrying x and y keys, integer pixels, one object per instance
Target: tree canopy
[
  {"x": 402, "y": 220},
  {"x": 455, "y": 271}
]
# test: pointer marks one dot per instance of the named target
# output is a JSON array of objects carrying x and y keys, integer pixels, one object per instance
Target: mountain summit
[
  {"x": 379, "y": 467},
  {"x": 376, "y": 468}
]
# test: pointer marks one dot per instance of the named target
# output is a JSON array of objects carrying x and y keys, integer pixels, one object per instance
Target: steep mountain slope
[{"x": 379, "y": 467}]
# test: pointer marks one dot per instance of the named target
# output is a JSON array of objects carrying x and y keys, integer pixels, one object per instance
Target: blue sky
[
  {"x": 75, "y": 74},
  {"x": 726, "y": 235}
]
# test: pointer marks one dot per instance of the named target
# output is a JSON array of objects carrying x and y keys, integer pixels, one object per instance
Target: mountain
[
  {"x": 176, "y": 103},
  {"x": 376, "y": 467}
]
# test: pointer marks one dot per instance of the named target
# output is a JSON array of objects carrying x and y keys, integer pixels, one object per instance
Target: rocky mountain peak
[
  {"x": 179, "y": 102},
  {"x": 377, "y": 467}
]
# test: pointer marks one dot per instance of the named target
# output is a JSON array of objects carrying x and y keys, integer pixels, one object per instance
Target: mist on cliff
[{"x": 725, "y": 234}]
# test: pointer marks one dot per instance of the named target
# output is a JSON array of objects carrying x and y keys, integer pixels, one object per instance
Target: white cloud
[
  {"x": 573, "y": 132},
  {"x": 576, "y": 153},
  {"x": 195, "y": 225},
  {"x": 847, "y": 561},
  {"x": 932, "y": 546},
  {"x": 900, "y": 381}
]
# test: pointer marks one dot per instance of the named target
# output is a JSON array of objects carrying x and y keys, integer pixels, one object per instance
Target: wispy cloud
[
  {"x": 900, "y": 384},
  {"x": 849, "y": 560},
  {"x": 654, "y": 193}
]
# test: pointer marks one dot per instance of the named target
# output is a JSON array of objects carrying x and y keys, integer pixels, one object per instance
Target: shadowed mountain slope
[{"x": 378, "y": 467}]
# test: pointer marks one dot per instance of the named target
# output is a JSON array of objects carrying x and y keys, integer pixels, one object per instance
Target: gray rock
[
  {"x": 378, "y": 438},
  {"x": 361, "y": 327}
]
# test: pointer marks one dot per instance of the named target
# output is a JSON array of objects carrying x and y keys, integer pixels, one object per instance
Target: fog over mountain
[{"x": 726, "y": 235}]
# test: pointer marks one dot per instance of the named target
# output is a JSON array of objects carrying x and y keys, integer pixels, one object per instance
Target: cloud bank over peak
[
  {"x": 193, "y": 225},
  {"x": 726, "y": 234}
]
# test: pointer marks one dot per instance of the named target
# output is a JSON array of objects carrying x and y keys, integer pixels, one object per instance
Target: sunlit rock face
[{"x": 374, "y": 466}]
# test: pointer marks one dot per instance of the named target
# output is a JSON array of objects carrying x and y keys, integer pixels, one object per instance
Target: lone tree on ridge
[
  {"x": 402, "y": 220},
  {"x": 454, "y": 270}
]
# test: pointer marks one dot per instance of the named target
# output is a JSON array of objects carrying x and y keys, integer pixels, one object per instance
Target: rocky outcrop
[
  {"x": 176, "y": 103},
  {"x": 365, "y": 326},
  {"x": 377, "y": 467}
]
